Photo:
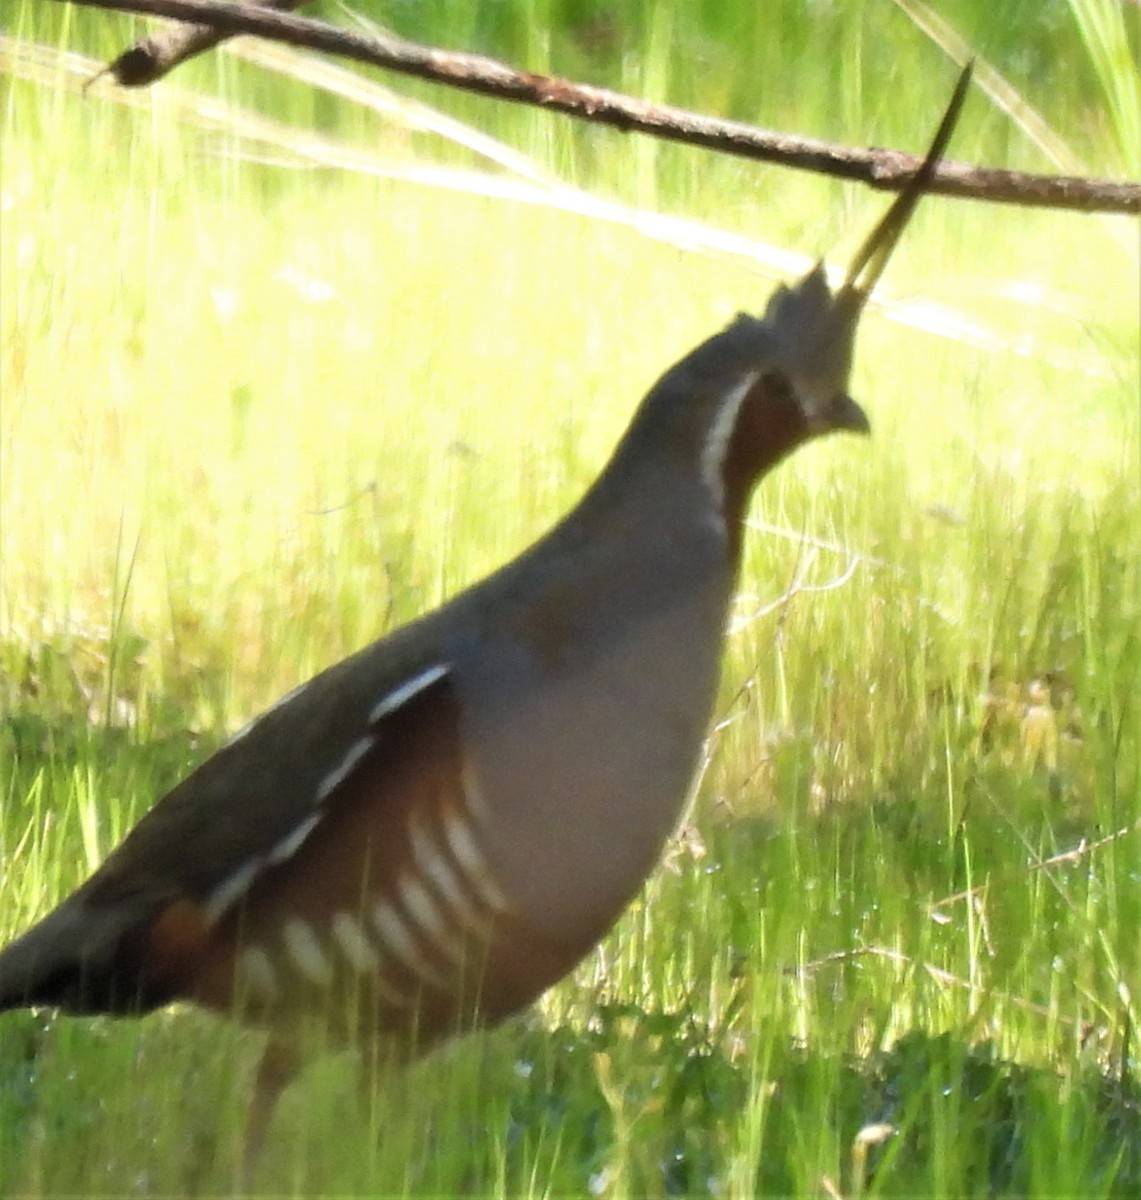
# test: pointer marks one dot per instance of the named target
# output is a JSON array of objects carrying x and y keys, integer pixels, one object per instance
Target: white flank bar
[
  {"x": 305, "y": 952},
  {"x": 437, "y": 868},
  {"x": 232, "y": 888},
  {"x": 341, "y": 772},
  {"x": 466, "y": 849},
  {"x": 425, "y": 912},
  {"x": 354, "y": 943},
  {"x": 405, "y": 692},
  {"x": 257, "y": 975},
  {"x": 397, "y": 937},
  {"x": 291, "y": 843}
]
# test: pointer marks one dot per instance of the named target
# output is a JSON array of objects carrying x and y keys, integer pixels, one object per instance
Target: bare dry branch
[
  {"x": 885, "y": 169},
  {"x": 150, "y": 58}
]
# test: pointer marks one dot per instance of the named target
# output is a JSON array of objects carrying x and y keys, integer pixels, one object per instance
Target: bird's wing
[
  {"x": 383, "y": 885},
  {"x": 378, "y": 872}
]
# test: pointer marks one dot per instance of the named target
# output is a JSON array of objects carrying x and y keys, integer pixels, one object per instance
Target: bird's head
[
  {"x": 750, "y": 395},
  {"x": 779, "y": 381}
]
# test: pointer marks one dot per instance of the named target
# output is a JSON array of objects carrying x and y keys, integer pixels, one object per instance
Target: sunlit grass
[{"x": 253, "y": 418}]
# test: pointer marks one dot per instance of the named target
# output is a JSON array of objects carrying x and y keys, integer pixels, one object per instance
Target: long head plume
[
  {"x": 872, "y": 256},
  {"x": 808, "y": 331}
]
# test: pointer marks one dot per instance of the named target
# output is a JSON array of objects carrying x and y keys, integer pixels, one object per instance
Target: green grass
[{"x": 251, "y": 418}]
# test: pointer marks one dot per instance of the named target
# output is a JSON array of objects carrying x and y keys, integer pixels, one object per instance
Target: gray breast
[{"x": 588, "y": 730}]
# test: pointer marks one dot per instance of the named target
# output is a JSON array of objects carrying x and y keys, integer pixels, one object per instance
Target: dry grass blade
[
  {"x": 407, "y": 113},
  {"x": 1001, "y": 92}
]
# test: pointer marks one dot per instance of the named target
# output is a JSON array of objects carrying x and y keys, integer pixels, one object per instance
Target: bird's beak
[
  {"x": 870, "y": 260},
  {"x": 845, "y": 413}
]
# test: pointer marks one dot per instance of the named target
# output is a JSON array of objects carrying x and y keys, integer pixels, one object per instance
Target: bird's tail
[{"x": 74, "y": 959}]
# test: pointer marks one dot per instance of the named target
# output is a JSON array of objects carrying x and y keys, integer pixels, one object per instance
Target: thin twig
[
  {"x": 152, "y": 57},
  {"x": 1065, "y": 857},
  {"x": 884, "y": 169}
]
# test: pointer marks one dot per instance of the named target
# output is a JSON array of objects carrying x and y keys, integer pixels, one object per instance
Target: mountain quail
[{"x": 429, "y": 834}]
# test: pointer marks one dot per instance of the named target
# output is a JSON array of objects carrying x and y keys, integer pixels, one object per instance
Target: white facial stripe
[
  {"x": 235, "y": 885},
  {"x": 714, "y": 451},
  {"x": 438, "y": 870},
  {"x": 256, "y": 974},
  {"x": 420, "y": 906},
  {"x": 340, "y": 773},
  {"x": 354, "y": 943},
  {"x": 291, "y": 843},
  {"x": 405, "y": 692},
  {"x": 305, "y": 952},
  {"x": 397, "y": 937},
  {"x": 463, "y": 845}
]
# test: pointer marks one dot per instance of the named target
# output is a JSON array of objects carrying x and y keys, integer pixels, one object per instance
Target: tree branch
[
  {"x": 884, "y": 169},
  {"x": 152, "y": 57}
]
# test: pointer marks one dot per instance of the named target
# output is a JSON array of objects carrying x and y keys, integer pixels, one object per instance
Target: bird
[{"x": 426, "y": 836}]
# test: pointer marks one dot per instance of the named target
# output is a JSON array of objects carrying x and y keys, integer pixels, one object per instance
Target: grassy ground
[{"x": 253, "y": 417}]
